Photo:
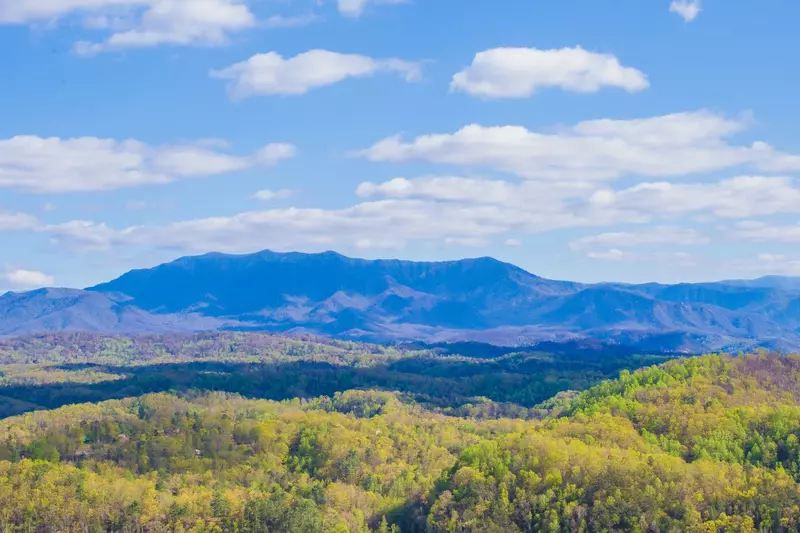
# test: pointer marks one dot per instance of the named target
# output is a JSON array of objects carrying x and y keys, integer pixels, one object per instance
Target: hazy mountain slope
[
  {"x": 71, "y": 309},
  {"x": 472, "y": 299}
]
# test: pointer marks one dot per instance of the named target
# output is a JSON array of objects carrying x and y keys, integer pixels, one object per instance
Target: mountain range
[{"x": 477, "y": 300}]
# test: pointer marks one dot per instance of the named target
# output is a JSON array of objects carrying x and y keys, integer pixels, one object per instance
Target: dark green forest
[
  {"x": 463, "y": 379},
  {"x": 257, "y": 433}
]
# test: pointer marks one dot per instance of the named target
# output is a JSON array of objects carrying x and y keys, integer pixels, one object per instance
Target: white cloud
[
  {"x": 686, "y": 9},
  {"x": 669, "y": 145},
  {"x": 282, "y": 21},
  {"x": 658, "y": 235},
  {"x": 275, "y": 152},
  {"x": 476, "y": 190},
  {"x": 366, "y": 225},
  {"x": 513, "y": 242},
  {"x": 773, "y": 264},
  {"x": 771, "y": 257},
  {"x": 27, "y": 279},
  {"x": 520, "y": 72},
  {"x": 175, "y": 22},
  {"x": 268, "y": 195},
  {"x": 54, "y": 165},
  {"x": 355, "y": 8},
  {"x": 759, "y": 231},
  {"x": 139, "y": 23},
  {"x": 15, "y": 12},
  {"x": 609, "y": 255},
  {"x": 547, "y": 204},
  {"x": 739, "y": 197},
  {"x": 535, "y": 205},
  {"x": 10, "y": 221},
  {"x": 22, "y": 12},
  {"x": 541, "y": 205},
  {"x": 440, "y": 210},
  {"x": 679, "y": 259},
  {"x": 271, "y": 74},
  {"x": 451, "y": 210},
  {"x": 86, "y": 235}
]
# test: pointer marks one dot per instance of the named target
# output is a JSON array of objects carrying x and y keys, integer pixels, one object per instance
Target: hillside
[
  {"x": 743, "y": 410},
  {"x": 48, "y": 371},
  {"x": 695, "y": 445},
  {"x": 482, "y": 300}
]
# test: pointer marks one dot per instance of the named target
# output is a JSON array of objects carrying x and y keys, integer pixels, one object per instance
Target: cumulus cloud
[
  {"x": 364, "y": 225},
  {"x": 268, "y": 195},
  {"x": 271, "y": 74},
  {"x": 658, "y": 235},
  {"x": 662, "y": 146},
  {"x": 11, "y": 221},
  {"x": 771, "y": 257},
  {"x": 16, "y": 12},
  {"x": 537, "y": 205},
  {"x": 576, "y": 203},
  {"x": 768, "y": 263},
  {"x": 282, "y": 21},
  {"x": 55, "y": 165},
  {"x": 759, "y": 231},
  {"x": 739, "y": 197},
  {"x": 609, "y": 255},
  {"x": 27, "y": 279},
  {"x": 139, "y": 23},
  {"x": 476, "y": 190},
  {"x": 452, "y": 210},
  {"x": 86, "y": 235},
  {"x": 355, "y": 8},
  {"x": 686, "y": 9},
  {"x": 520, "y": 72}
]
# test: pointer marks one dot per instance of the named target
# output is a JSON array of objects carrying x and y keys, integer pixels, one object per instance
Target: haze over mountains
[{"x": 391, "y": 300}]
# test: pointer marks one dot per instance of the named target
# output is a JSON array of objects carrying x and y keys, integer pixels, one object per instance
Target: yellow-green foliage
[{"x": 698, "y": 445}]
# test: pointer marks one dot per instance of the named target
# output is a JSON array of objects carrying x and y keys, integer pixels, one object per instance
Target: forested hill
[
  {"x": 694, "y": 445},
  {"x": 47, "y": 371},
  {"x": 739, "y": 409},
  {"x": 479, "y": 299}
]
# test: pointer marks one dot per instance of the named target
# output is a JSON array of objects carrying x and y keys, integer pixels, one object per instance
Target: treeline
[{"x": 83, "y": 347}]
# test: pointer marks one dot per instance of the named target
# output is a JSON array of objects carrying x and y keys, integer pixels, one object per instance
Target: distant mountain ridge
[{"x": 478, "y": 300}]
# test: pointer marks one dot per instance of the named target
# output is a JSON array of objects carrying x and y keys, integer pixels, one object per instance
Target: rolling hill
[
  {"x": 698, "y": 444},
  {"x": 480, "y": 300}
]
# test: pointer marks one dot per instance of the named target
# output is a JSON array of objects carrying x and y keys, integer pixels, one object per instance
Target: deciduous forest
[{"x": 258, "y": 433}]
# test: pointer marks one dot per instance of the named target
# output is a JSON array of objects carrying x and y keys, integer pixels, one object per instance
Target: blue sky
[{"x": 635, "y": 142}]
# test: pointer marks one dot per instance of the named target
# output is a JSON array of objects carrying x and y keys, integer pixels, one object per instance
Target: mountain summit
[{"x": 479, "y": 299}]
